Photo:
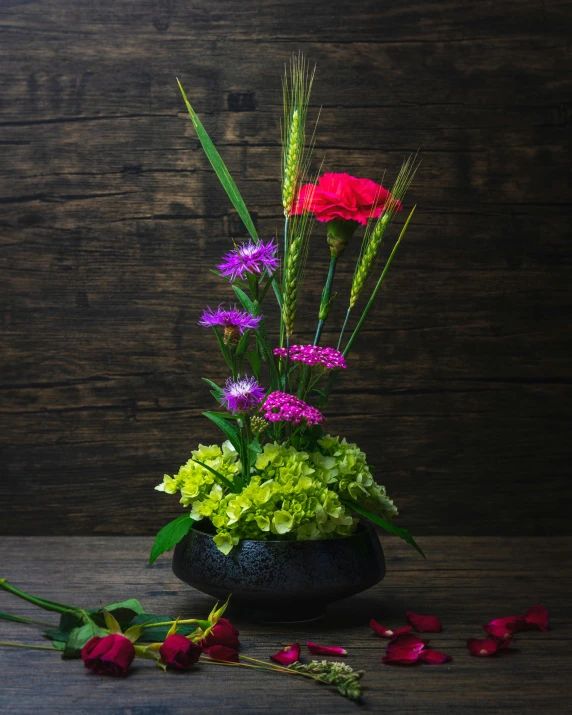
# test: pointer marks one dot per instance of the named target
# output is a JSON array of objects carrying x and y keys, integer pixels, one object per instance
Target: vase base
[{"x": 302, "y": 613}]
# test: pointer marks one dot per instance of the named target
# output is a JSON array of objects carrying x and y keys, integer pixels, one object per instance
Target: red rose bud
[
  {"x": 536, "y": 618},
  {"x": 434, "y": 657},
  {"x": 316, "y": 649},
  {"x": 179, "y": 652},
  {"x": 424, "y": 624},
  {"x": 222, "y": 652},
  {"x": 110, "y": 655},
  {"x": 288, "y": 655},
  {"x": 482, "y": 648},
  {"x": 387, "y": 632},
  {"x": 223, "y": 633}
]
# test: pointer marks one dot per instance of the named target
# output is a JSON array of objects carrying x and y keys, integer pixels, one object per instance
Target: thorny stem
[{"x": 27, "y": 621}]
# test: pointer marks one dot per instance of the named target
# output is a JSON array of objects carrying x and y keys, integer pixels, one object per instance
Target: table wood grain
[{"x": 465, "y": 581}]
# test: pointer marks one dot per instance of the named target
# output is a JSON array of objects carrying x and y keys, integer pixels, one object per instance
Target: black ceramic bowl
[{"x": 281, "y": 580}]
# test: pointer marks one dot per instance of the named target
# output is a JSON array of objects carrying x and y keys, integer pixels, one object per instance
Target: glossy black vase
[{"x": 281, "y": 581}]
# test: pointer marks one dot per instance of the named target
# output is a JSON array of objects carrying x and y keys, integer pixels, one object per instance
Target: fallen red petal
[
  {"x": 288, "y": 655},
  {"x": 482, "y": 648},
  {"x": 387, "y": 632},
  {"x": 424, "y": 624},
  {"x": 537, "y": 618},
  {"x": 505, "y": 627},
  {"x": 434, "y": 657},
  {"x": 402, "y": 656},
  {"x": 407, "y": 640},
  {"x": 316, "y": 649}
]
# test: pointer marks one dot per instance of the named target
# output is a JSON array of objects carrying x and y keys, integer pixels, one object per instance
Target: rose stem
[
  {"x": 23, "y": 645},
  {"x": 42, "y": 603}
]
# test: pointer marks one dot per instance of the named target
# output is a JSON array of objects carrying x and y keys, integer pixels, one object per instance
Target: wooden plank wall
[{"x": 111, "y": 217}]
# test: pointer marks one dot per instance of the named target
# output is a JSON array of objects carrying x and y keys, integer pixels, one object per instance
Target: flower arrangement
[{"x": 278, "y": 473}]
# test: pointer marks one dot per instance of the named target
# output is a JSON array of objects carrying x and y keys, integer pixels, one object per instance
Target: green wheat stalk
[{"x": 375, "y": 234}]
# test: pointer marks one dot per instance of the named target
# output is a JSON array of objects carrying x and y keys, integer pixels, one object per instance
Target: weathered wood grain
[
  {"x": 110, "y": 216},
  {"x": 465, "y": 581}
]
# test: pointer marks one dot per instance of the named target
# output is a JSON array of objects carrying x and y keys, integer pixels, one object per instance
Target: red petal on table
[
  {"x": 537, "y": 618},
  {"x": 223, "y": 652},
  {"x": 505, "y": 627},
  {"x": 408, "y": 641},
  {"x": 403, "y": 656},
  {"x": 288, "y": 655},
  {"x": 434, "y": 657},
  {"x": 424, "y": 624},
  {"x": 387, "y": 632},
  {"x": 316, "y": 649},
  {"x": 483, "y": 648}
]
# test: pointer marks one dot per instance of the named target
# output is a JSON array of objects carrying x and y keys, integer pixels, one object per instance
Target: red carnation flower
[
  {"x": 179, "y": 652},
  {"x": 341, "y": 196},
  {"x": 110, "y": 655}
]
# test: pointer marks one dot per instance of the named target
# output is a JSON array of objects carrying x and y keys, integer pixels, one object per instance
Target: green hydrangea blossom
[{"x": 291, "y": 495}]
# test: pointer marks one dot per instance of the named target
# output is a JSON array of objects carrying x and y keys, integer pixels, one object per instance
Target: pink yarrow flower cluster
[
  {"x": 312, "y": 355},
  {"x": 281, "y": 407},
  {"x": 249, "y": 258}
]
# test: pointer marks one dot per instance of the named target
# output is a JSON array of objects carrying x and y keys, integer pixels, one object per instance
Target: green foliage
[
  {"x": 221, "y": 171},
  {"x": 292, "y": 494},
  {"x": 229, "y": 430},
  {"x": 170, "y": 535},
  {"x": 158, "y": 634}
]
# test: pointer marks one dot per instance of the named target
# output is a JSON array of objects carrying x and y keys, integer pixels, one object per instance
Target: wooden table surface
[{"x": 465, "y": 581}]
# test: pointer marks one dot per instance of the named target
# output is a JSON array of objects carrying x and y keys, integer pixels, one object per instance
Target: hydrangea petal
[{"x": 424, "y": 624}]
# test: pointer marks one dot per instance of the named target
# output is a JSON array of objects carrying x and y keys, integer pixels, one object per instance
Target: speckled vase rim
[{"x": 361, "y": 527}]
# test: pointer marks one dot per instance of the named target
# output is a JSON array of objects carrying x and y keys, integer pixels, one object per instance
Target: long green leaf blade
[
  {"x": 227, "y": 483},
  {"x": 170, "y": 535},
  {"x": 221, "y": 171},
  {"x": 230, "y": 430},
  {"x": 387, "y": 525}
]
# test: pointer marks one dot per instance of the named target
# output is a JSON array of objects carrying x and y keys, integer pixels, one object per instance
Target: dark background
[{"x": 111, "y": 218}]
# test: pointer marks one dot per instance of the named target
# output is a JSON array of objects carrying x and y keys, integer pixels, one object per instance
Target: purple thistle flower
[
  {"x": 330, "y": 358},
  {"x": 249, "y": 258},
  {"x": 232, "y": 318},
  {"x": 281, "y": 407},
  {"x": 242, "y": 395}
]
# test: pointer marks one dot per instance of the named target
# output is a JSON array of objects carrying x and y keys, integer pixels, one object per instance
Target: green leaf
[
  {"x": 255, "y": 447},
  {"x": 243, "y": 344},
  {"x": 153, "y": 635},
  {"x": 254, "y": 361},
  {"x": 221, "y": 171},
  {"x": 230, "y": 430},
  {"x": 387, "y": 525},
  {"x": 247, "y": 304},
  {"x": 122, "y": 611},
  {"x": 78, "y": 637},
  {"x": 224, "y": 350},
  {"x": 216, "y": 388},
  {"x": 170, "y": 535},
  {"x": 227, "y": 483}
]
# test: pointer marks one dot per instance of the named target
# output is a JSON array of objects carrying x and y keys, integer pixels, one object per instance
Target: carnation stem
[
  {"x": 40, "y": 602},
  {"x": 377, "y": 287},
  {"x": 325, "y": 302},
  {"x": 23, "y": 645}
]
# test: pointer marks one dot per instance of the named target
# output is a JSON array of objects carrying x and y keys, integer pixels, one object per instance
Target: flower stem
[
  {"x": 40, "y": 602},
  {"x": 378, "y": 286},
  {"x": 344, "y": 326},
  {"x": 21, "y": 619},
  {"x": 326, "y": 298},
  {"x": 23, "y": 645},
  {"x": 181, "y": 622}
]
